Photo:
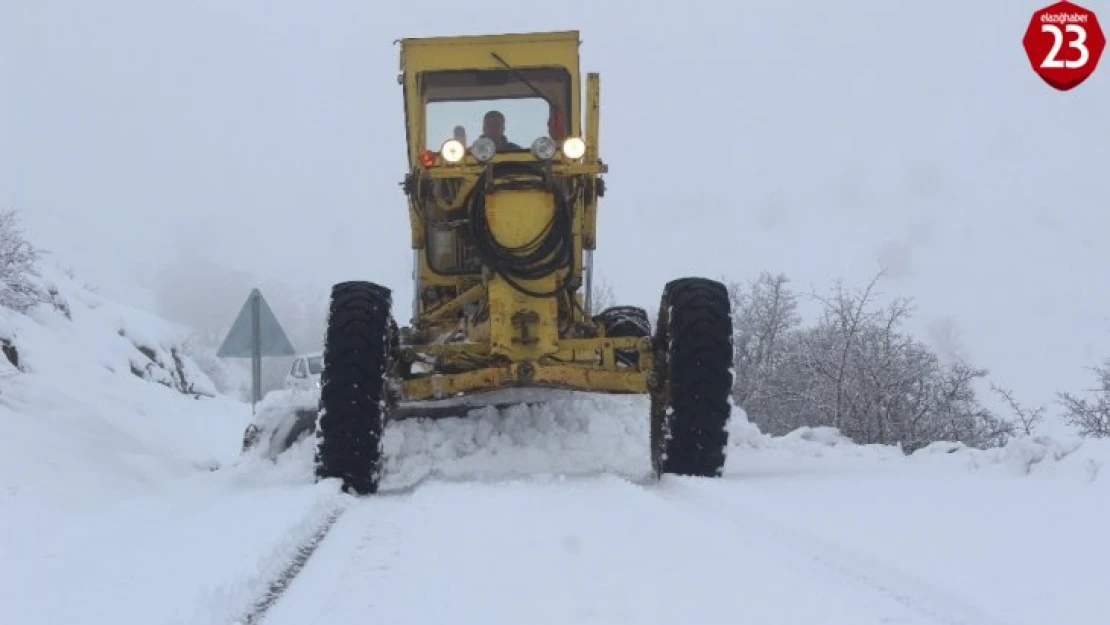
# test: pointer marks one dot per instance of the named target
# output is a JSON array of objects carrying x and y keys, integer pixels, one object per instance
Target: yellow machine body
[{"x": 476, "y": 327}]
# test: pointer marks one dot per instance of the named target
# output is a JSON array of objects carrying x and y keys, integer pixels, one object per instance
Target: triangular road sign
[{"x": 241, "y": 338}]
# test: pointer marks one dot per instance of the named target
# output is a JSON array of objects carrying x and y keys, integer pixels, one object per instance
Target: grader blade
[{"x": 462, "y": 407}]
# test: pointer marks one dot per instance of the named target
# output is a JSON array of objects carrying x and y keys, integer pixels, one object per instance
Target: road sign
[
  {"x": 1064, "y": 43},
  {"x": 256, "y": 333}
]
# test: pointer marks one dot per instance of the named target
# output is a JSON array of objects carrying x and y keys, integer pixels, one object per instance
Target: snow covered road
[
  {"x": 804, "y": 529},
  {"x": 586, "y": 550},
  {"x": 807, "y": 528},
  {"x": 193, "y": 556},
  {"x": 542, "y": 516}
]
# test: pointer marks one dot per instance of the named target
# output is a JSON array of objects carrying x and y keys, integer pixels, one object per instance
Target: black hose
[{"x": 551, "y": 250}]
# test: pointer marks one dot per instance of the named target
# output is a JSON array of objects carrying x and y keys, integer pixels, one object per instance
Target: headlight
[
  {"x": 574, "y": 148},
  {"x": 483, "y": 149},
  {"x": 544, "y": 148},
  {"x": 452, "y": 150}
]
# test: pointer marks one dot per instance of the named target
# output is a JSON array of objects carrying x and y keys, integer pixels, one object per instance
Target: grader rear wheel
[
  {"x": 690, "y": 407},
  {"x": 625, "y": 321}
]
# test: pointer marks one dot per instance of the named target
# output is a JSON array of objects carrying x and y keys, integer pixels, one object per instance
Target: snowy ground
[
  {"x": 126, "y": 501},
  {"x": 545, "y": 516},
  {"x": 110, "y": 509}
]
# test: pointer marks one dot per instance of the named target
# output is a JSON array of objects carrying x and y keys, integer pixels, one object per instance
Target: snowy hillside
[
  {"x": 95, "y": 393},
  {"x": 125, "y": 500},
  {"x": 99, "y": 404}
]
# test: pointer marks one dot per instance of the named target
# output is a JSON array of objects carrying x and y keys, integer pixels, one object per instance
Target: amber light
[{"x": 428, "y": 158}]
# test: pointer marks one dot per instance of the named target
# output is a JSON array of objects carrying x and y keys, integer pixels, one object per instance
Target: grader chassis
[{"x": 503, "y": 236}]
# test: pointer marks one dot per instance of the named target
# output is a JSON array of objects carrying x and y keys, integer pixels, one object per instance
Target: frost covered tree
[
  {"x": 602, "y": 296},
  {"x": 19, "y": 290},
  {"x": 763, "y": 314},
  {"x": 1090, "y": 415},
  {"x": 1026, "y": 419},
  {"x": 854, "y": 369}
]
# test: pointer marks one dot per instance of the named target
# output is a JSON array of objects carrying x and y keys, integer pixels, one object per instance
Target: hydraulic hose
[{"x": 550, "y": 251}]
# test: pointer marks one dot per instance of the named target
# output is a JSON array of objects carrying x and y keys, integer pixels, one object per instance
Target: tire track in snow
[
  {"x": 925, "y": 598},
  {"x": 565, "y": 551},
  {"x": 285, "y": 578}
]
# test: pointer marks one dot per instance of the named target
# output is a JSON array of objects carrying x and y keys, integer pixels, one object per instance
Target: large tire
[
  {"x": 625, "y": 321},
  {"x": 352, "y": 385},
  {"x": 690, "y": 405}
]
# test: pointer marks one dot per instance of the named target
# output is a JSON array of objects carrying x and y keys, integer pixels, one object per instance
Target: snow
[
  {"x": 126, "y": 500},
  {"x": 90, "y": 411},
  {"x": 110, "y": 505},
  {"x": 525, "y": 521}
]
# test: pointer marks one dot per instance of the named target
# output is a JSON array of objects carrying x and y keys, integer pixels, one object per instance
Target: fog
[{"x": 178, "y": 154}]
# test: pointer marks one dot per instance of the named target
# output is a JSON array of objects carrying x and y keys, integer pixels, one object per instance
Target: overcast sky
[{"x": 818, "y": 139}]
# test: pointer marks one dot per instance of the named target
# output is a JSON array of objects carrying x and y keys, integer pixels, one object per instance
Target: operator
[{"x": 493, "y": 126}]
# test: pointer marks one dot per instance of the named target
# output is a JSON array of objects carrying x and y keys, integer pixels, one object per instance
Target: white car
[{"x": 305, "y": 372}]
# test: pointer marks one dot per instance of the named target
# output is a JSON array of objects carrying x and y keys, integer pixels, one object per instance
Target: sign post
[{"x": 256, "y": 333}]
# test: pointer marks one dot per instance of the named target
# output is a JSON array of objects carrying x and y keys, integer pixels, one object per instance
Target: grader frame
[{"x": 503, "y": 236}]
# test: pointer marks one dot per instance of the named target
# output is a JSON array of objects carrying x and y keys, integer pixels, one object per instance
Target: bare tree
[
  {"x": 1027, "y": 418},
  {"x": 854, "y": 369},
  {"x": 19, "y": 290},
  {"x": 957, "y": 414},
  {"x": 763, "y": 314},
  {"x": 1090, "y": 416},
  {"x": 845, "y": 313},
  {"x": 602, "y": 296}
]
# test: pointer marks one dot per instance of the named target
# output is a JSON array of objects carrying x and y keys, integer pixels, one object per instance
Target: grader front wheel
[
  {"x": 356, "y": 356},
  {"x": 690, "y": 403}
]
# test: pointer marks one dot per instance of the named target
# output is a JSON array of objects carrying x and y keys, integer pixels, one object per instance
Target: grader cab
[{"x": 503, "y": 187}]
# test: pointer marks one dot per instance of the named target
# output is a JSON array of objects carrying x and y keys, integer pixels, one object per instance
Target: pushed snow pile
[
  {"x": 826, "y": 449},
  {"x": 99, "y": 400},
  {"x": 1035, "y": 456},
  {"x": 595, "y": 434},
  {"x": 581, "y": 436},
  {"x": 282, "y": 418}
]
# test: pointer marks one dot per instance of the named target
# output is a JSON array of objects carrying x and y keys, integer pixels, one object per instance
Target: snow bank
[
  {"x": 1072, "y": 459},
  {"x": 587, "y": 434},
  {"x": 1067, "y": 458},
  {"x": 99, "y": 401},
  {"x": 120, "y": 499},
  {"x": 282, "y": 415}
]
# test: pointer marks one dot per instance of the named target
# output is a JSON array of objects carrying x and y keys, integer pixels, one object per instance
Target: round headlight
[
  {"x": 452, "y": 150},
  {"x": 574, "y": 147},
  {"x": 483, "y": 149},
  {"x": 544, "y": 148}
]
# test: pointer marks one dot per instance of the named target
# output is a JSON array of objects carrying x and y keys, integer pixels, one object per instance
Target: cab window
[{"x": 457, "y": 101}]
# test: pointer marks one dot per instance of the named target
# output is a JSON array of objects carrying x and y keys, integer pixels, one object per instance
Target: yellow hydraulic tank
[{"x": 522, "y": 327}]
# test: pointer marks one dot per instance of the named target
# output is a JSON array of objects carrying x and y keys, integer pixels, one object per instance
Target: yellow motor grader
[{"x": 503, "y": 186}]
